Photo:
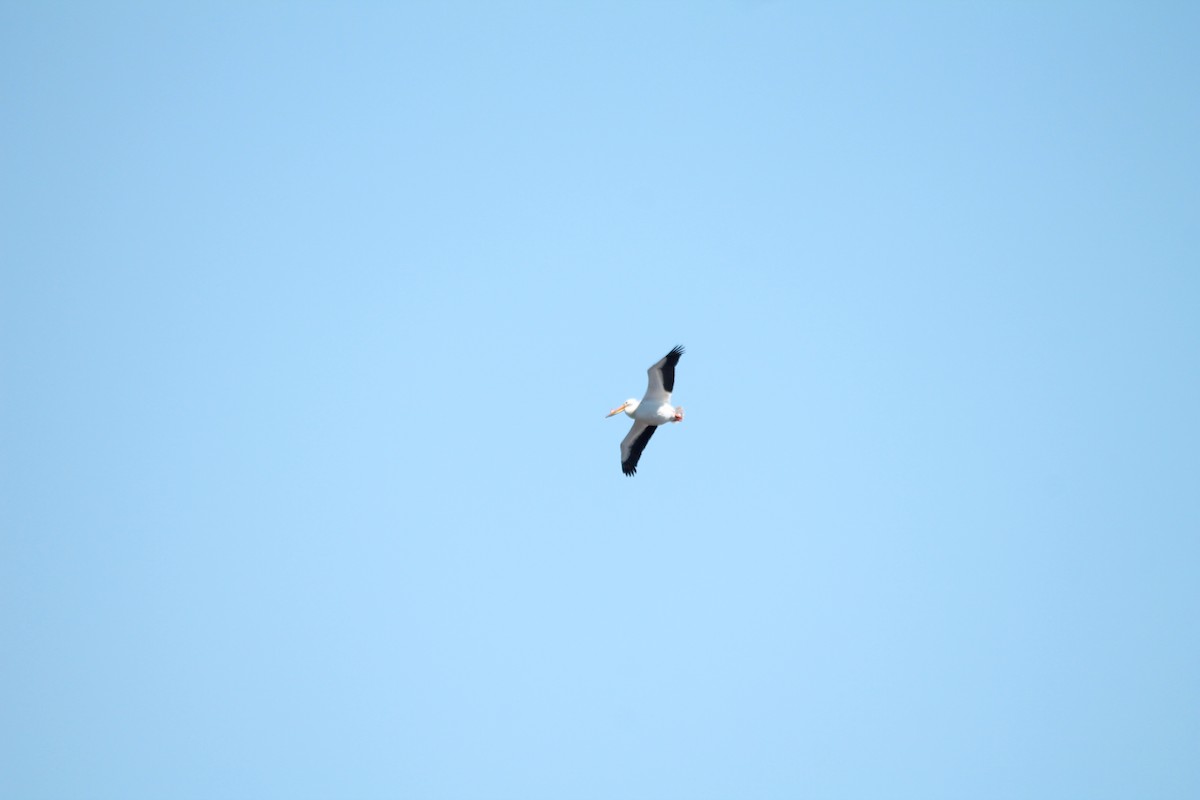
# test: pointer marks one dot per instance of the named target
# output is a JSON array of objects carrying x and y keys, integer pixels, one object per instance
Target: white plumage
[{"x": 653, "y": 410}]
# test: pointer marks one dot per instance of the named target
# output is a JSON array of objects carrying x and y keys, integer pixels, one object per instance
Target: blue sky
[{"x": 310, "y": 314}]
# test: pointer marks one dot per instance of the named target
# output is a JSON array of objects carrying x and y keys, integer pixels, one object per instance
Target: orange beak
[{"x": 617, "y": 410}]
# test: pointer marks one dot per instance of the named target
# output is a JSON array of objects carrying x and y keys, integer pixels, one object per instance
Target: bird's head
[{"x": 629, "y": 406}]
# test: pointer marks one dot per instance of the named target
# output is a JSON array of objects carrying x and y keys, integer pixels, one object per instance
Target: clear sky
[{"x": 310, "y": 314}]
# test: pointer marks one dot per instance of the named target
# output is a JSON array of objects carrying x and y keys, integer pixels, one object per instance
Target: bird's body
[
  {"x": 651, "y": 411},
  {"x": 654, "y": 415}
]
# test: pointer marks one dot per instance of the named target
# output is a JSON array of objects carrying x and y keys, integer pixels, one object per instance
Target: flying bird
[{"x": 654, "y": 409}]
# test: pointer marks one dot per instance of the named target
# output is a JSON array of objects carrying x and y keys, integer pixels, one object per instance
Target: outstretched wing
[
  {"x": 633, "y": 444},
  {"x": 662, "y": 378}
]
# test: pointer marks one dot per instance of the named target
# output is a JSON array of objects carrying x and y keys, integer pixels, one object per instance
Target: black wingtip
[{"x": 668, "y": 367}]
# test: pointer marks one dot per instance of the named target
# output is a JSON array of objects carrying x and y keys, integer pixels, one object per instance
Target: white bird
[{"x": 654, "y": 409}]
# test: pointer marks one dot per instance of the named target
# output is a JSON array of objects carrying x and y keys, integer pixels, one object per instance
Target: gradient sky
[{"x": 310, "y": 315}]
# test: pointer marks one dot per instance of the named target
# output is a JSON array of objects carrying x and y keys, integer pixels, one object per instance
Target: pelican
[{"x": 654, "y": 409}]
